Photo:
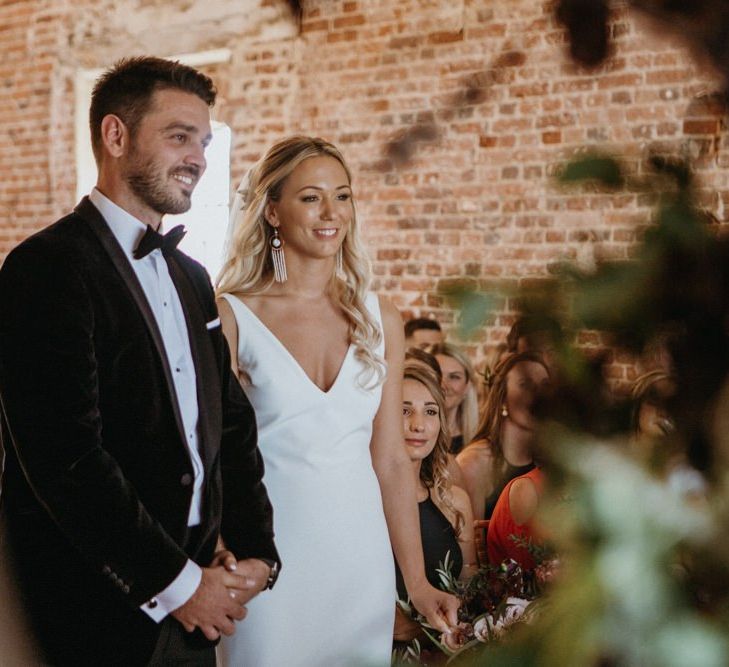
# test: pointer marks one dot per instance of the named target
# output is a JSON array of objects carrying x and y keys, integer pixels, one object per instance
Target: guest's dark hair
[
  {"x": 419, "y": 355},
  {"x": 126, "y": 90},
  {"x": 411, "y": 326},
  {"x": 529, "y": 327}
]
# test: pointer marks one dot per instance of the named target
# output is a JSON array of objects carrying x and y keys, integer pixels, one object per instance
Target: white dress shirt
[{"x": 164, "y": 301}]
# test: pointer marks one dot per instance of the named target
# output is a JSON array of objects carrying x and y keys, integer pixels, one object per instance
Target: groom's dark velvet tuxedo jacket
[{"x": 97, "y": 479}]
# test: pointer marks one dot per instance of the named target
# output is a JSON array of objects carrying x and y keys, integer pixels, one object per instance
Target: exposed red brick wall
[
  {"x": 28, "y": 36},
  {"x": 483, "y": 88}
]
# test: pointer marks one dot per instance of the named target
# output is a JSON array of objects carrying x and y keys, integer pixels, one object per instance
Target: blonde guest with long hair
[
  {"x": 321, "y": 360},
  {"x": 459, "y": 386}
]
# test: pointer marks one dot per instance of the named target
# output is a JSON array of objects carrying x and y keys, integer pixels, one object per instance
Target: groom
[{"x": 130, "y": 448}]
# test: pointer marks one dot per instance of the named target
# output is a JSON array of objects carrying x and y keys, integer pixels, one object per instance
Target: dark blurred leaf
[
  {"x": 702, "y": 24},
  {"x": 677, "y": 169},
  {"x": 402, "y": 148},
  {"x": 612, "y": 298},
  {"x": 679, "y": 226},
  {"x": 604, "y": 170},
  {"x": 587, "y": 24}
]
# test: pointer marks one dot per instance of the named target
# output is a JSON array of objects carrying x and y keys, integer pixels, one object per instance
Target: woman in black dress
[{"x": 446, "y": 521}]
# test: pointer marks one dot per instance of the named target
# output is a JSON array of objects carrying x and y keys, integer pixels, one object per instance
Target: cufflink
[
  {"x": 152, "y": 603},
  {"x": 273, "y": 574}
]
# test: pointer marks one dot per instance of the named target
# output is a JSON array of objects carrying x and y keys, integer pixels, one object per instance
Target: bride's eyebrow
[{"x": 316, "y": 187}]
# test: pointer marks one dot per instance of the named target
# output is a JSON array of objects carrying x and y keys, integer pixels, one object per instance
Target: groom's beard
[{"x": 156, "y": 187}]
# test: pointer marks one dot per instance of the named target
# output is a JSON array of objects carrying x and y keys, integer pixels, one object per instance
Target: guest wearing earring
[
  {"x": 446, "y": 520},
  {"x": 503, "y": 445},
  {"x": 321, "y": 359}
]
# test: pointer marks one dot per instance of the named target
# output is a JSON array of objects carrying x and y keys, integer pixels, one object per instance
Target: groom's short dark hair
[{"x": 126, "y": 90}]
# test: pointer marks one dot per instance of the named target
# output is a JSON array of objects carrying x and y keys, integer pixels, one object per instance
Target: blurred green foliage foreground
[{"x": 644, "y": 569}]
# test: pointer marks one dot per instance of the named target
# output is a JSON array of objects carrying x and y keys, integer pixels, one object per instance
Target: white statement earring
[{"x": 277, "y": 255}]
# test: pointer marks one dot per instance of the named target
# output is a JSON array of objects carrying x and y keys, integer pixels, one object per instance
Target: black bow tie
[{"x": 153, "y": 240}]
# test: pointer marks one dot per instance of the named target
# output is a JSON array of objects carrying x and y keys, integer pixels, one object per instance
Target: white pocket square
[{"x": 213, "y": 323}]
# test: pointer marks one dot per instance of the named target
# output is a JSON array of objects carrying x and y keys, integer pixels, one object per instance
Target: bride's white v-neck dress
[{"x": 334, "y": 601}]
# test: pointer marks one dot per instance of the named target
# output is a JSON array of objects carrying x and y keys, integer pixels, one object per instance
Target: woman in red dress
[{"x": 512, "y": 527}]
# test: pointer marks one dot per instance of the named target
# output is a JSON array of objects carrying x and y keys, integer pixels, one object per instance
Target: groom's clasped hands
[{"x": 225, "y": 588}]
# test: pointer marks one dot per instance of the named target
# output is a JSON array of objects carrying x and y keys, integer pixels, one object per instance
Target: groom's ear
[{"x": 114, "y": 135}]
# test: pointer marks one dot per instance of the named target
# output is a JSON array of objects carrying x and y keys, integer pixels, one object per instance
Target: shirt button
[
  {"x": 177, "y": 370},
  {"x": 164, "y": 303},
  {"x": 152, "y": 603},
  {"x": 186, "y": 479}
]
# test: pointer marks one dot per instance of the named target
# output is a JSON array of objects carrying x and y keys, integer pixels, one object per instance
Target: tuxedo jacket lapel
[{"x": 120, "y": 262}]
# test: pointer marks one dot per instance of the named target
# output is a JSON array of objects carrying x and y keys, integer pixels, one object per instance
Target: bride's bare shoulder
[{"x": 254, "y": 302}]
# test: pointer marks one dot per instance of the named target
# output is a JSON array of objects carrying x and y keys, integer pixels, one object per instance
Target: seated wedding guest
[
  {"x": 513, "y": 518},
  {"x": 503, "y": 445},
  {"x": 652, "y": 423},
  {"x": 459, "y": 388},
  {"x": 540, "y": 335},
  {"x": 418, "y": 356},
  {"x": 422, "y": 331},
  {"x": 446, "y": 523}
]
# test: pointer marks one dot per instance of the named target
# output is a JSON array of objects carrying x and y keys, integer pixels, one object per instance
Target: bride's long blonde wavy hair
[{"x": 248, "y": 266}]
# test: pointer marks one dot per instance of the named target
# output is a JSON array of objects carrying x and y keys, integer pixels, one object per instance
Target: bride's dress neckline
[{"x": 290, "y": 355}]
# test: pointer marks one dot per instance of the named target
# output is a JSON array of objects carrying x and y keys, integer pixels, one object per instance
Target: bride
[{"x": 320, "y": 358}]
